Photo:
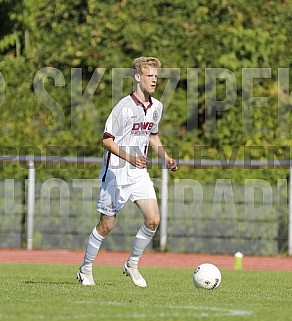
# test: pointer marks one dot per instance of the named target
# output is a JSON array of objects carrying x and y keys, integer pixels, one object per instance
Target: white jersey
[{"x": 130, "y": 125}]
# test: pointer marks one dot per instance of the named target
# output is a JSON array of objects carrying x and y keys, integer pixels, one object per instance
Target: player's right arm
[{"x": 137, "y": 161}]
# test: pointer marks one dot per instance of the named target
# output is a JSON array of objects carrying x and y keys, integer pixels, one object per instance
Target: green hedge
[{"x": 89, "y": 34}]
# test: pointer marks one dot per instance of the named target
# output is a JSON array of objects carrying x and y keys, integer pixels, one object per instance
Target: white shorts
[{"x": 112, "y": 197}]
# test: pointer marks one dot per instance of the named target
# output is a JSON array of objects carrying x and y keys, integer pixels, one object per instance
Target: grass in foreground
[{"x": 50, "y": 292}]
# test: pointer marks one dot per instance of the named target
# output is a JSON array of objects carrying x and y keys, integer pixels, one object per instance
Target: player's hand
[
  {"x": 139, "y": 161},
  {"x": 171, "y": 164}
]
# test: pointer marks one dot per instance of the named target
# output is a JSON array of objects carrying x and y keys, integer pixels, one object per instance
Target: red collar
[{"x": 139, "y": 103}]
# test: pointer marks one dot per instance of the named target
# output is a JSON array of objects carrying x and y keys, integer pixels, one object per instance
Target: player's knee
[
  {"x": 153, "y": 223},
  {"x": 104, "y": 229},
  {"x": 157, "y": 221},
  {"x": 105, "y": 225}
]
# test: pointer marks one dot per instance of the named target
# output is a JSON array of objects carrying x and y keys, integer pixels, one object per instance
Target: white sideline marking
[{"x": 182, "y": 311}]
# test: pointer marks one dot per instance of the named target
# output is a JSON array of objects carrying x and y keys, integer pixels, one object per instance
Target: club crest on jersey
[
  {"x": 155, "y": 115},
  {"x": 142, "y": 128}
]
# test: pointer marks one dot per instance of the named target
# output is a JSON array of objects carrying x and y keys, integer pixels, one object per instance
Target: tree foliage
[{"x": 45, "y": 45}]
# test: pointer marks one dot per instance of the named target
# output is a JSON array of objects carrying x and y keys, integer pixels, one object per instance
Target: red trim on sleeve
[{"x": 108, "y": 135}]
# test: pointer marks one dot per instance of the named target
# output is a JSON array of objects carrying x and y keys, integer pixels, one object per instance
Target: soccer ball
[{"x": 207, "y": 276}]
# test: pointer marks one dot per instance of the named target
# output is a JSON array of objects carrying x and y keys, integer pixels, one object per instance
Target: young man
[{"x": 131, "y": 126}]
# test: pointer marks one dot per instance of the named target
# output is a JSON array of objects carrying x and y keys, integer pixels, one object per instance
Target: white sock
[
  {"x": 92, "y": 248},
  {"x": 142, "y": 239}
]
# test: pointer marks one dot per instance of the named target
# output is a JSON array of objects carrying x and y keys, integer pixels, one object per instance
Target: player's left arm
[{"x": 156, "y": 144}]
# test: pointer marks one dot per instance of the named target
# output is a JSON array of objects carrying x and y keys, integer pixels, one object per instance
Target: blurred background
[{"x": 57, "y": 65}]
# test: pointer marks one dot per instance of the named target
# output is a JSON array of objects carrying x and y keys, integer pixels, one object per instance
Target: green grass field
[{"x": 50, "y": 292}]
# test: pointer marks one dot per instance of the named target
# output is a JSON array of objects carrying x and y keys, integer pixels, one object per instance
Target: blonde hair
[{"x": 141, "y": 63}]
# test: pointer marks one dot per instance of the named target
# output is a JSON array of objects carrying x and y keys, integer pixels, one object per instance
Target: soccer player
[{"x": 129, "y": 129}]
